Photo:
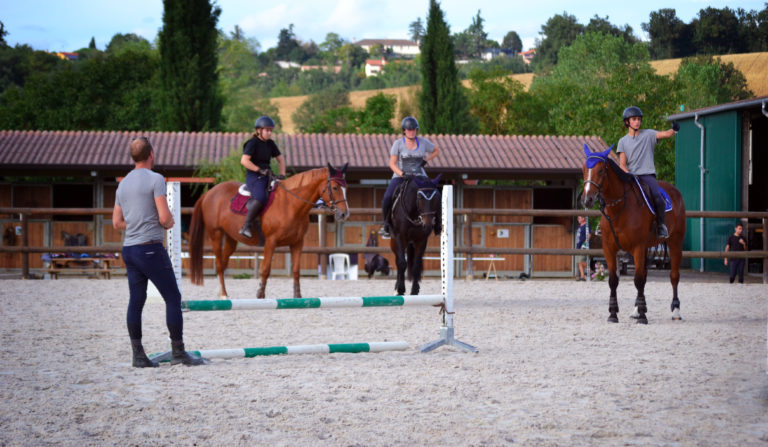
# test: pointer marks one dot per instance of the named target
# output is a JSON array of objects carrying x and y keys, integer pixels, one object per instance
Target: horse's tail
[{"x": 197, "y": 232}]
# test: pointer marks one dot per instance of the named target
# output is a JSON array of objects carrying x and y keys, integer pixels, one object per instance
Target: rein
[
  {"x": 603, "y": 204},
  {"x": 334, "y": 202}
]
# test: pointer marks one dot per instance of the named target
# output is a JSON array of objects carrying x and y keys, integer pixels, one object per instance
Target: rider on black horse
[
  {"x": 257, "y": 153},
  {"x": 636, "y": 157},
  {"x": 407, "y": 158}
]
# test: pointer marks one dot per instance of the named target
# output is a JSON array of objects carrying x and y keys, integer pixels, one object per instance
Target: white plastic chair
[{"x": 338, "y": 265}]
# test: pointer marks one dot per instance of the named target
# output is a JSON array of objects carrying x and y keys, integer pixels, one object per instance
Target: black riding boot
[
  {"x": 661, "y": 228},
  {"x": 385, "y": 212},
  {"x": 140, "y": 359},
  {"x": 254, "y": 207},
  {"x": 179, "y": 355}
]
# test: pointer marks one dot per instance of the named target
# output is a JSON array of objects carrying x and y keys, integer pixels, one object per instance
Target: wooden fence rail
[{"x": 25, "y": 249}]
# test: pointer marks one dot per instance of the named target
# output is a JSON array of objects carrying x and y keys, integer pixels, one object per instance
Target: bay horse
[
  {"x": 628, "y": 224},
  {"x": 284, "y": 222},
  {"x": 414, "y": 212}
]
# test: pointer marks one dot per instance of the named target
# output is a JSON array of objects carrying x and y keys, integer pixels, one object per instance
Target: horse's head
[
  {"x": 335, "y": 193},
  {"x": 427, "y": 200},
  {"x": 595, "y": 171}
]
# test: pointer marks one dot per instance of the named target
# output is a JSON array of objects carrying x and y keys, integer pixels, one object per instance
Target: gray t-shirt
[
  {"x": 136, "y": 196},
  {"x": 423, "y": 147},
  {"x": 639, "y": 151}
]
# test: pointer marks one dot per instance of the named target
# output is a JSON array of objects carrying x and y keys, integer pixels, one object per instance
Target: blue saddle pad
[{"x": 667, "y": 200}]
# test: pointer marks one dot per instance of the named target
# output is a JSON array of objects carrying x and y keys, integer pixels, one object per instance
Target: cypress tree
[
  {"x": 187, "y": 43},
  {"x": 442, "y": 104}
]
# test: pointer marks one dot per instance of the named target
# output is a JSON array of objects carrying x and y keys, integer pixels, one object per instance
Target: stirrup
[
  {"x": 662, "y": 234},
  {"x": 384, "y": 233},
  {"x": 246, "y": 232}
]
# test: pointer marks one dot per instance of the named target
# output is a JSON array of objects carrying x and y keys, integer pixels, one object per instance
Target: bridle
[
  {"x": 428, "y": 194},
  {"x": 333, "y": 206},
  {"x": 601, "y": 197}
]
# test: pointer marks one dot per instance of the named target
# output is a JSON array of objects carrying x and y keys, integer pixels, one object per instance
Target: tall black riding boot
[
  {"x": 254, "y": 207},
  {"x": 385, "y": 212},
  {"x": 179, "y": 355},
  {"x": 140, "y": 359},
  {"x": 661, "y": 227}
]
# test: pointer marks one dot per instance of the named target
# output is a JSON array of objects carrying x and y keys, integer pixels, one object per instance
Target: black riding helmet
[
  {"x": 630, "y": 112},
  {"x": 264, "y": 121},
  {"x": 409, "y": 123}
]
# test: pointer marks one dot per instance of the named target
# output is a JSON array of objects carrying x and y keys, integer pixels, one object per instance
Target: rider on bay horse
[
  {"x": 257, "y": 154},
  {"x": 407, "y": 157},
  {"x": 635, "y": 151}
]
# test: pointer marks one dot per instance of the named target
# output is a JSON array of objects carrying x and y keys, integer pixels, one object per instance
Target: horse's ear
[
  {"x": 331, "y": 170},
  {"x": 605, "y": 153},
  {"x": 437, "y": 179},
  {"x": 344, "y": 168},
  {"x": 587, "y": 151}
]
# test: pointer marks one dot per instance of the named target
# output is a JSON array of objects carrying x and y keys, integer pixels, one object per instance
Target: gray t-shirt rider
[
  {"x": 639, "y": 151},
  {"x": 423, "y": 147},
  {"x": 136, "y": 197}
]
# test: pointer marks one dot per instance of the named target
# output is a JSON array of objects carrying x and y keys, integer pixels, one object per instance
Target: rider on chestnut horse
[{"x": 257, "y": 153}]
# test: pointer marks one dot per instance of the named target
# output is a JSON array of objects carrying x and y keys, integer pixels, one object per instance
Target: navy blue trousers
[
  {"x": 257, "y": 186},
  {"x": 736, "y": 268},
  {"x": 151, "y": 263}
]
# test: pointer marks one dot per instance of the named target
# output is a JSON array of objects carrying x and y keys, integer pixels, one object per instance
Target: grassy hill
[{"x": 754, "y": 66}]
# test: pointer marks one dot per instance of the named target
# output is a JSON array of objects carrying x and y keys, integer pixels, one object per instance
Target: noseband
[{"x": 333, "y": 205}]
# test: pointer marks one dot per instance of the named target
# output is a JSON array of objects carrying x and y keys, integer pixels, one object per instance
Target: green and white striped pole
[
  {"x": 313, "y": 303},
  {"x": 353, "y": 348}
]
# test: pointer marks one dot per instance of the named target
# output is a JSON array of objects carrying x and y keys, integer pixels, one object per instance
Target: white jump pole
[
  {"x": 172, "y": 236},
  {"x": 446, "y": 276}
]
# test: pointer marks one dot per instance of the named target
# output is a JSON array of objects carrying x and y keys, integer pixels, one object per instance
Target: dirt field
[{"x": 550, "y": 371}]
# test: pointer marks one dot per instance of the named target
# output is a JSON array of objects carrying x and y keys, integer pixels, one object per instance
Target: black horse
[{"x": 415, "y": 214}]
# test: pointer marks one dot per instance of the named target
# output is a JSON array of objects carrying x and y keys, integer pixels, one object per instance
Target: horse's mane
[
  {"x": 623, "y": 176},
  {"x": 305, "y": 178}
]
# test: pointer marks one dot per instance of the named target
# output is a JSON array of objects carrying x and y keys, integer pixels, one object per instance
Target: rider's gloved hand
[
  {"x": 281, "y": 177},
  {"x": 423, "y": 163},
  {"x": 675, "y": 126}
]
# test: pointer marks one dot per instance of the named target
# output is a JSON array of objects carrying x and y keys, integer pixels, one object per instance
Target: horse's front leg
[
  {"x": 296, "y": 267},
  {"x": 640, "y": 278},
  {"x": 266, "y": 267},
  {"x": 399, "y": 249},
  {"x": 613, "y": 283},
  {"x": 417, "y": 266}
]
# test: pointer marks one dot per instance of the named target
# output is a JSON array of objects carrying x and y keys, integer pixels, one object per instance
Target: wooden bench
[{"x": 100, "y": 267}]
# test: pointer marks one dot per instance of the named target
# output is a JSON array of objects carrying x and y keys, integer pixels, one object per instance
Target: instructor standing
[{"x": 142, "y": 211}]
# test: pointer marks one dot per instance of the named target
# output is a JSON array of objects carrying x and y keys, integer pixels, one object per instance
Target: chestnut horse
[
  {"x": 629, "y": 225},
  {"x": 284, "y": 222},
  {"x": 414, "y": 213}
]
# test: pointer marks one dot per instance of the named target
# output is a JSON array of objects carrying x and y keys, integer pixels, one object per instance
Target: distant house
[
  {"x": 399, "y": 47},
  {"x": 490, "y": 53},
  {"x": 528, "y": 55},
  {"x": 335, "y": 69},
  {"x": 374, "y": 66},
  {"x": 287, "y": 64},
  {"x": 67, "y": 56}
]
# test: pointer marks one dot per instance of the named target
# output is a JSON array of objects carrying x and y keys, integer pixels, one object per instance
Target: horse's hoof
[
  {"x": 613, "y": 319},
  {"x": 642, "y": 320},
  {"x": 676, "y": 315}
]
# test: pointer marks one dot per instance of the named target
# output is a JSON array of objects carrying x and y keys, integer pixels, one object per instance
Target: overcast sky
[{"x": 69, "y": 25}]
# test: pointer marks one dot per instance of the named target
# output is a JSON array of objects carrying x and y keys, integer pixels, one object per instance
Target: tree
[
  {"x": 442, "y": 104},
  {"x": 416, "y": 28},
  {"x": 377, "y": 115},
  {"x": 716, "y": 31},
  {"x": 122, "y": 42},
  {"x": 477, "y": 36},
  {"x": 188, "y": 42},
  {"x": 491, "y": 98},
  {"x": 286, "y": 44},
  {"x": 705, "y": 81},
  {"x": 598, "y": 24},
  {"x": 92, "y": 45},
  {"x": 512, "y": 42},
  {"x": 331, "y": 98},
  {"x": 559, "y": 31},
  {"x": 667, "y": 33}
]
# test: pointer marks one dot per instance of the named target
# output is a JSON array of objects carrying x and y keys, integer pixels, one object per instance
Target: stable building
[
  {"x": 74, "y": 169},
  {"x": 721, "y": 156}
]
